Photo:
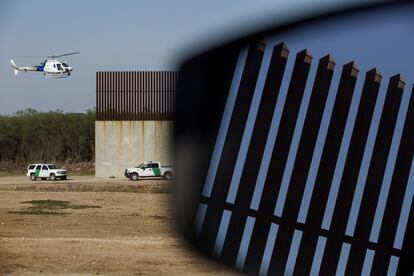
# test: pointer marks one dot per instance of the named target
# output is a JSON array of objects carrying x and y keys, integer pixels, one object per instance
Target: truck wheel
[
  {"x": 133, "y": 177},
  {"x": 53, "y": 177},
  {"x": 63, "y": 178},
  {"x": 168, "y": 175},
  {"x": 33, "y": 177}
]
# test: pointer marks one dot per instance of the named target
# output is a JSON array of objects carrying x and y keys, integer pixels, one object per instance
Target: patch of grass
[
  {"x": 37, "y": 212},
  {"x": 58, "y": 204},
  {"x": 50, "y": 207},
  {"x": 158, "y": 217},
  {"x": 48, "y": 203}
]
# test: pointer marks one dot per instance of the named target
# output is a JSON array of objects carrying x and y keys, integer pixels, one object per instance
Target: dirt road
[{"x": 92, "y": 226}]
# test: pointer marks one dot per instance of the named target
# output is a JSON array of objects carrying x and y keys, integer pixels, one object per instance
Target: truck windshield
[{"x": 139, "y": 165}]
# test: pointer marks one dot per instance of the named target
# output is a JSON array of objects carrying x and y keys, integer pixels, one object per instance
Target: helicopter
[{"x": 52, "y": 68}]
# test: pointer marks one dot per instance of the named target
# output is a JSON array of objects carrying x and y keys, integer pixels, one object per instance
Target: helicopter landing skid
[{"x": 57, "y": 76}]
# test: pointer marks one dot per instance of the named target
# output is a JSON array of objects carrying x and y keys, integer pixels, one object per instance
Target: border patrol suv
[
  {"x": 44, "y": 171},
  {"x": 149, "y": 169}
]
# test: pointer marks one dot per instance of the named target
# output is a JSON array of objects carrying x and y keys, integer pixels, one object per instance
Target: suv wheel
[
  {"x": 53, "y": 177},
  {"x": 134, "y": 177},
  {"x": 33, "y": 177}
]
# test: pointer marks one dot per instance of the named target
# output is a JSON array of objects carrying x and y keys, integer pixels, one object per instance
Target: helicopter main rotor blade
[
  {"x": 33, "y": 56},
  {"x": 57, "y": 56}
]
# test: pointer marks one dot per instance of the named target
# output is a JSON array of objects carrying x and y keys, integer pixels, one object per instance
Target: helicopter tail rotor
[{"x": 13, "y": 64}]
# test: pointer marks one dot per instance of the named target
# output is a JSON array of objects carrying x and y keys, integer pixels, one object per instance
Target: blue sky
[{"x": 117, "y": 35}]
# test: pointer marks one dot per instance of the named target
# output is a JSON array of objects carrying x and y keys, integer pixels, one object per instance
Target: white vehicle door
[
  {"x": 44, "y": 172},
  {"x": 146, "y": 170}
]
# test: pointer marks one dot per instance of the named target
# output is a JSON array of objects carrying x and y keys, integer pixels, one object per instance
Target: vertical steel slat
[
  {"x": 114, "y": 89},
  {"x": 159, "y": 98},
  {"x": 130, "y": 80},
  {"x": 151, "y": 93},
  {"x": 159, "y": 78},
  {"x": 148, "y": 95},
  {"x": 130, "y": 96},
  {"x": 154, "y": 96},
  {"x": 144, "y": 99},
  {"x": 107, "y": 95},
  {"x": 170, "y": 78},
  {"x": 101, "y": 96},
  {"x": 97, "y": 95},
  {"x": 143, "y": 103},
  {"x": 126, "y": 93},
  {"x": 116, "y": 94},
  {"x": 125, "y": 96},
  {"x": 140, "y": 110},
  {"x": 139, "y": 95},
  {"x": 103, "y": 81},
  {"x": 112, "y": 95},
  {"x": 133, "y": 93},
  {"x": 163, "y": 95},
  {"x": 122, "y": 97}
]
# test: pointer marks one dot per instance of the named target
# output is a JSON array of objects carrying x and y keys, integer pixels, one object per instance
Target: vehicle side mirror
[{"x": 288, "y": 164}]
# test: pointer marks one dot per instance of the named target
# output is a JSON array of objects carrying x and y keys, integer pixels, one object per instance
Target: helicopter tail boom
[{"x": 24, "y": 68}]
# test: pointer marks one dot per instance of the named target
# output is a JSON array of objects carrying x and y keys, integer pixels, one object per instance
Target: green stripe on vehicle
[
  {"x": 37, "y": 173},
  {"x": 157, "y": 171}
]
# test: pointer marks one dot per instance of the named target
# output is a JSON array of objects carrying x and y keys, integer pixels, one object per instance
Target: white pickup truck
[{"x": 149, "y": 169}]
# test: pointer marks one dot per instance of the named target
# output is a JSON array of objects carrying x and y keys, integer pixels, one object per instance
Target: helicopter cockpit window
[
  {"x": 64, "y": 64},
  {"x": 59, "y": 66}
]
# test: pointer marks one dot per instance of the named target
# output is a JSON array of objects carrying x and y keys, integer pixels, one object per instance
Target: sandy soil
[{"x": 105, "y": 226}]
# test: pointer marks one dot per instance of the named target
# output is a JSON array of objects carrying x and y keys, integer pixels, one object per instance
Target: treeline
[{"x": 31, "y": 136}]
